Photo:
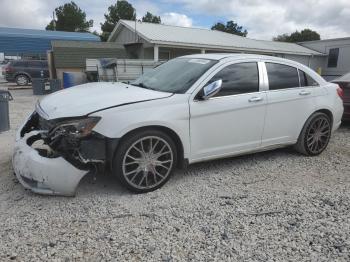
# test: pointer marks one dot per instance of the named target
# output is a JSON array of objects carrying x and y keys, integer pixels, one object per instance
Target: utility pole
[{"x": 135, "y": 26}]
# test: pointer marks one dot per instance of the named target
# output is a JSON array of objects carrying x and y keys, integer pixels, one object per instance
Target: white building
[
  {"x": 337, "y": 62},
  {"x": 158, "y": 41},
  {"x": 142, "y": 40}
]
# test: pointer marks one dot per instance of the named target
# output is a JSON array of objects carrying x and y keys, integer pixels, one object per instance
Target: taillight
[
  {"x": 340, "y": 92},
  {"x": 7, "y": 69}
]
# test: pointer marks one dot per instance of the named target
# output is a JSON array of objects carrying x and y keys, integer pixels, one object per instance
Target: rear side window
[
  {"x": 238, "y": 79},
  {"x": 282, "y": 76},
  {"x": 19, "y": 63},
  {"x": 306, "y": 80},
  {"x": 34, "y": 64}
]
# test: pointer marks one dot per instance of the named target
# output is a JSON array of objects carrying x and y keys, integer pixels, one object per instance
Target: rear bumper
[
  {"x": 44, "y": 175},
  {"x": 9, "y": 77}
]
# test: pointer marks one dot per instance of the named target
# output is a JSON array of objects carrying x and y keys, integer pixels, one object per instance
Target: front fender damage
[{"x": 42, "y": 174}]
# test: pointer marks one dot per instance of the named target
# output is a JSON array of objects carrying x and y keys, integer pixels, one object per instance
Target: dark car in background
[
  {"x": 344, "y": 83},
  {"x": 22, "y": 71}
]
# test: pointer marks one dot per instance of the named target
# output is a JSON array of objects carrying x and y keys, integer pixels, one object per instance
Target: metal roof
[
  {"x": 44, "y": 34},
  {"x": 326, "y": 40},
  {"x": 14, "y": 41},
  {"x": 85, "y": 44},
  {"x": 205, "y": 38}
]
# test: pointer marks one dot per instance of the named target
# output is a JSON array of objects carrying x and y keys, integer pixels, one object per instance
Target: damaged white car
[{"x": 190, "y": 109}]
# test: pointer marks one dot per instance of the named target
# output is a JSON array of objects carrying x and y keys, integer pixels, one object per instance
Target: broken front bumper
[{"x": 44, "y": 175}]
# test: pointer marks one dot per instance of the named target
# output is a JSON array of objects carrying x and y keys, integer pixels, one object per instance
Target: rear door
[
  {"x": 19, "y": 66},
  {"x": 34, "y": 69},
  {"x": 288, "y": 104}
]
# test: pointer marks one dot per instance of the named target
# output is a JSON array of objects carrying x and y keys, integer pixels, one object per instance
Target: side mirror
[{"x": 211, "y": 89}]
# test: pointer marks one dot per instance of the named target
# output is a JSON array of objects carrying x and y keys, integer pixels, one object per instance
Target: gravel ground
[{"x": 272, "y": 206}]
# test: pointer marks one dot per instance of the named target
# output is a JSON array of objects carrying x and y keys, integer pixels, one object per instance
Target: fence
[{"x": 110, "y": 69}]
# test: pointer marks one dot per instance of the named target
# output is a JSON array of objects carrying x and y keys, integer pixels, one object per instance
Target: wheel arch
[
  {"x": 25, "y": 74},
  {"x": 327, "y": 112},
  {"x": 300, "y": 146},
  {"x": 182, "y": 162},
  {"x": 321, "y": 110}
]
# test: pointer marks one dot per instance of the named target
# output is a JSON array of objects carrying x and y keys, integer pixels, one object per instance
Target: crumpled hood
[{"x": 87, "y": 98}]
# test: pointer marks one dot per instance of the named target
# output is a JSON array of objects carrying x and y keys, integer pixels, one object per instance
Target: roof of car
[
  {"x": 26, "y": 61},
  {"x": 234, "y": 56}
]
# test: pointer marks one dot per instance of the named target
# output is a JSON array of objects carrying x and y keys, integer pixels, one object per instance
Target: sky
[{"x": 263, "y": 19}]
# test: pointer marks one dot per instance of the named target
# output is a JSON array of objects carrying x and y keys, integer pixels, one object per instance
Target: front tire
[
  {"x": 145, "y": 160},
  {"x": 315, "y": 135}
]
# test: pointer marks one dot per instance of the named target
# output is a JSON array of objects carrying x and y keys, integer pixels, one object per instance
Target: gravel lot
[{"x": 273, "y": 206}]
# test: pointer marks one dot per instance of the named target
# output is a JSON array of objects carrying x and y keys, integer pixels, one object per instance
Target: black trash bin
[
  {"x": 5, "y": 97},
  {"x": 38, "y": 85},
  {"x": 55, "y": 85}
]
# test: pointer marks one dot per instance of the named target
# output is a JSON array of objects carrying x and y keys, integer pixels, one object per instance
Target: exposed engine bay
[{"x": 72, "y": 139}]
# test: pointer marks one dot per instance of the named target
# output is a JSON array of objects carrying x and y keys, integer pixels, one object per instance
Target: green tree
[
  {"x": 69, "y": 17},
  {"x": 150, "y": 18},
  {"x": 304, "y": 35},
  {"x": 121, "y": 10},
  {"x": 231, "y": 27}
]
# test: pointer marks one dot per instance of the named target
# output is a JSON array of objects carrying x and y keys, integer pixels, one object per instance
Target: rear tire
[
  {"x": 315, "y": 135},
  {"x": 144, "y": 161},
  {"x": 22, "y": 80}
]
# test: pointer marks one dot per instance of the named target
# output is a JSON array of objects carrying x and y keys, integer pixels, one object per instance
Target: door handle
[
  {"x": 304, "y": 93},
  {"x": 255, "y": 99}
]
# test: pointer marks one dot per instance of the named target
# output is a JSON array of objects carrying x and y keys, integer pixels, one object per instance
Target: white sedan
[{"x": 190, "y": 109}]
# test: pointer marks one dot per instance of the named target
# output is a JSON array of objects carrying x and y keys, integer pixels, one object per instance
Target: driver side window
[{"x": 238, "y": 79}]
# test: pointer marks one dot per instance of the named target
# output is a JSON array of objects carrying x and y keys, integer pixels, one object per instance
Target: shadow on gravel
[
  {"x": 345, "y": 126},
  {"x": 214, "y": 166},
  {"x": 103, "y": 184},
  {"x": 107, "y": 184}
]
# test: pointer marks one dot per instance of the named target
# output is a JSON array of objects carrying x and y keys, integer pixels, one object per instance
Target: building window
[
  {"x": 164, "y": 55},
  {"x": 333, "y": 57}
]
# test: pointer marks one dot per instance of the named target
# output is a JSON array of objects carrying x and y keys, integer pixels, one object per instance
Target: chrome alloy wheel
[
  {"x": 147, "y": 162},
  {"x": 318, "y": 135}
]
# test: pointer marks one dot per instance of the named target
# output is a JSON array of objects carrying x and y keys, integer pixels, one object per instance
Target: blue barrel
[
  {"x": 73, "y": 79},
  {"x": 68, "y": 80}
]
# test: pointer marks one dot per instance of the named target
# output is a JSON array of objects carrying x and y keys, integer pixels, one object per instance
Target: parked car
[
  {"x": 190, "y": 109},
  {"x": 344, "y": 83},
  {"x": 22, "y": 71}
]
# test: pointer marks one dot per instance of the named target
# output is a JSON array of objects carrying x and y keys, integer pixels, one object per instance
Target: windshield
[{"x": 174, "y": 76}]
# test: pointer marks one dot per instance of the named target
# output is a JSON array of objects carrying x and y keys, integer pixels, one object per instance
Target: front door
[{"x": 232, "y": 121}]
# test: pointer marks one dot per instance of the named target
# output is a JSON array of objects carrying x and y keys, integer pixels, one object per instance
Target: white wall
[{"x": 323, "y": 46}]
